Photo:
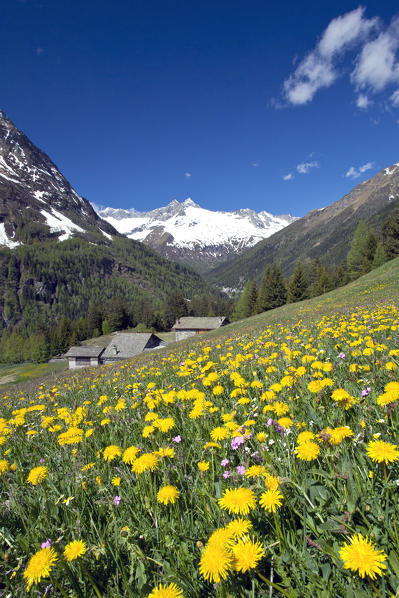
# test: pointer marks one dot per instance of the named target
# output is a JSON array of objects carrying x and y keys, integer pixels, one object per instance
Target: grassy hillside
[{"x": 258, "y": 460}]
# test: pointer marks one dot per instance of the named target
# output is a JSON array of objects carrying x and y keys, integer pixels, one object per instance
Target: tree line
[{"x": 313, "y": 278}]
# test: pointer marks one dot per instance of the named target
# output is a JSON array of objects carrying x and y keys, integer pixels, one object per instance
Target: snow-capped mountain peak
[
  {"x": 187, "y": 232},
  {"x": 33, "y": 190}
]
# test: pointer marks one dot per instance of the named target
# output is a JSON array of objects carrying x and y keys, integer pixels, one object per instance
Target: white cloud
[
  {"x": 395, "y": 98},
  {"x": 305, "y": 167},
  {"x": 317, "y": 69},
  {"x": 288, "y": 177},
  {"x": 377, "y": 64},
  {"x": 355, "y": 173},
  {"x": 363, "y": 101},
  {"x": 187, "y": 175},
  {"x": 255, "y": 164}
]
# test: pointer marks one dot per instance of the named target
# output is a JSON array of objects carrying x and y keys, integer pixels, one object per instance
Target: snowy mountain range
[{"x": 185, "y": 232}]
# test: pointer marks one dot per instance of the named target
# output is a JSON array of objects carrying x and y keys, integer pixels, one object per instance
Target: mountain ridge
[
  {"x": 324, "y": 233},
  {"x": 186, "y": 232}
]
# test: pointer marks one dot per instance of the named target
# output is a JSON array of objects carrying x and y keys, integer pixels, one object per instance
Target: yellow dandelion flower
[
  {"x": 219, "y": 433},
  {"x": 130, "y": 454},
  {"x": 304, "y": 436},
  {"x": 37, "y": 475},
  {"x": 239, "y": 527},
  {"x": 270, "y": 500},
  {"x": 203, "y": 465},
  {"x": 247, "y": 554},
  {"x": 380, "y": 451},
  {"x": 146, "y": 462},
  {"x": 272, "y": 482},
  {"x": 111, "y": 452},
  {"x": 239, "y": 501},
  {"x": 221, "y": 537},
  {"x": 39, "y": 566},
  {"x": 255, "y": 471},
  {"x": 4, "y": 466},
  {"x": 164, "y": 591},
  {"x": 215, "y": 563},
  {"x": 307, "y": 451},
  {"x": 168, "y": 494},
  {"x": 74, "y": 550},
  {"x": 359, "y": 555},
  {"x": 116, "y": 481}
]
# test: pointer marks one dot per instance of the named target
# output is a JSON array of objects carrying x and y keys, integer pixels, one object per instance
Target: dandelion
[
  {"x": 203, "y": 465},
  {"x": 37, "y": 475},
  {"x": 164, "y": 591},
  {"x": 380, "y": 451},
  {"x": 116, "y": 481},
  {"x": 270, "y": 500},
  {"x": 111, "y": 452},
  {"x": 307, "y": 451},
  {"x": 74, "y": 550},
  {"x": 146, "y": 462},
  {"x": 39, "y": 566},
  {"x": 239, "y": 527},
  {"x": 359, "y": 555},
  {"x": 239, "y": 501},
  {"x": 168, "y": 494},
  {"x": 215, "y": 563},
  {"x": 4, "y": 466},
  {"x": 247, "y": 554}
]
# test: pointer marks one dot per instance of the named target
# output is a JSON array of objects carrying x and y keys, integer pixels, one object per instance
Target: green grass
[{"x": 26, "y": 372}]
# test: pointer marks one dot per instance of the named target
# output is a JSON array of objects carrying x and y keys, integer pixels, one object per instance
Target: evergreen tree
[
  {"x": 390, "y": 235},
  {"x": 297, "y": 285},
  {"x": 380, "y": 256},
  {"x": 323, "y": 282},
  {"x": 339, "y": 276},
  {"x": 175, "y": 308},
  {"x": 272, "y": 292},
  {"x": 252, "y": 298},
  {"x": 361, "y": 253},
  {"x": 241, "y": 309}
]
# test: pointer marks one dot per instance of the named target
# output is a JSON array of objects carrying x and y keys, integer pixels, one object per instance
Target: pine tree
[
  {"x": 242, "y": 310},
  {"x": 323, "y": 282},
  {"x": 339, "y": 276},
  {"x": 252, "y": 298},
  {"x": 380, "y": 256},
  {"x": 272, "y": 292},
  {"x": 361, "y": 253},
  {"x": 297, "y": 285},
  {"x": 390, "y": 235}
]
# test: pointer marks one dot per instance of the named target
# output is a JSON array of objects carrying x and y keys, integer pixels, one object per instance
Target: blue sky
[{"x": 278, "y": 106}]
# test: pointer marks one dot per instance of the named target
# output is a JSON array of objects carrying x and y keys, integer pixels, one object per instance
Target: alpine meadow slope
[
  {"x": 259, "y": 457},
  {"x": 325, "y": 233}
]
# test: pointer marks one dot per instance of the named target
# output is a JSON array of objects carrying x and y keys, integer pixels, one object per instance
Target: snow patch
[
  {"x": 39, "y": 195},
  {"x": 4, "y": 239},
  {"x": 60, "y": 223},
  {"x": 106, "y": 235}
]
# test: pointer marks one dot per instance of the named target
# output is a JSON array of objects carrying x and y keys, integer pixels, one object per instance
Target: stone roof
[
  {"x": 210, "y": 323},
  {"x": 83, "y": 351},
  {"x": 127, "y": 344}
]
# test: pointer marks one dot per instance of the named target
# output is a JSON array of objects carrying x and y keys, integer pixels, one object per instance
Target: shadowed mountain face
[
  {"x": 185, "y": 232},
  {"x": 36, "y": 201},
  {"x": 325, "y": 233}
]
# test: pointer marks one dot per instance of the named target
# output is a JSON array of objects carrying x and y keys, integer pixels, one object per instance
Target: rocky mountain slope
[
  {"x": 185, "y": 232},
  {"x": 325, "y": 233},
  {"x": 35, "y": 198}
]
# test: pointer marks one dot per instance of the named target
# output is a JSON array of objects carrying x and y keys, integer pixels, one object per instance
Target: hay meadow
[{"x": 259, "y": 461}]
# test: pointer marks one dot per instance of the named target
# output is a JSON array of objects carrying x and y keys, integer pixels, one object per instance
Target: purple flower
[
  {"x": 240, "y": 469},
  {"x": 224, "y": 462},
  {"x": 342, "y": 355},
  {"x": 269, "y": 422},
  {"x": 46, "y": 544},
  {"x": 177, "y": 438},
  {"x": 117, "y": 500},
  {"x": 366, "y": 391},
  {"x": 226, "y": 474},
  {"x": 41, "y": 461},
  {"x": 236, "y": 442}
]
